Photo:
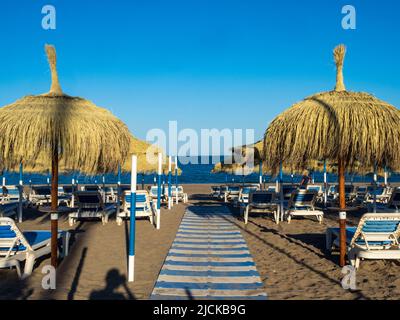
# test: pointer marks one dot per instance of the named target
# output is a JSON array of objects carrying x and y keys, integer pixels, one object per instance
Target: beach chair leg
[
  {"x": 289, "y": 218},
  {"x": 357, "y": 264},
  {"x": 29, "y": 262},
  {"x": 352, "y": 258},
  {"x": 65, "y": 250},
  {"x": 18, "y": 268},
  {"x": 119, "y": 221},
  {"x": 246, "y": 215}
]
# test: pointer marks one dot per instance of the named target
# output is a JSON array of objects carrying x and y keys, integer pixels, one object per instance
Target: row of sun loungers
[
  {"x": 19, "y": 248},
  {"x": 250, "y": 199},
  {"x": 375, "y": 237}
]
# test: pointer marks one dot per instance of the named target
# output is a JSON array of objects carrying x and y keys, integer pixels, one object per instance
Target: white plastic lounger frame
[
  {"x": 232, "y": 193},
  {"x": 17, "y": 246},
  {"x": 90, "y": 205},
  {"x": 182, "y": 196},
  {"x": 376, "y": 237},
  {"x": 301, "y": 203},
  {"x": 144, "y": 207},
  {"x": 263, "y": 202},
  {"x": 393, "y": 205}
]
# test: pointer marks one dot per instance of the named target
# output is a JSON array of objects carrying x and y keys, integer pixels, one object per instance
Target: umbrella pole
[
  {"x": 54, "y": 205},
  {"x": 342, "y": 214}
]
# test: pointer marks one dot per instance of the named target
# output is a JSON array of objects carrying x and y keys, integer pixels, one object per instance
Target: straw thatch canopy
[
  {"x": 339, "y": 124},
  {"x": 85, "y": 137},
  {"x": 138, "y": 147}
]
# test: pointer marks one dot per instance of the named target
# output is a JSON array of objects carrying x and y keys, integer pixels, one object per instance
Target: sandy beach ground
[{"x": 290, "y": 258}]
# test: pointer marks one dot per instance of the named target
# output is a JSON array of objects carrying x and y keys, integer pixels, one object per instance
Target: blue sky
[{"x": 207, "y": 64}]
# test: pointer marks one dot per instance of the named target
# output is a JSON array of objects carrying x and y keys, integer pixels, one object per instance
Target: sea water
[{"x": 190, "y": 174}]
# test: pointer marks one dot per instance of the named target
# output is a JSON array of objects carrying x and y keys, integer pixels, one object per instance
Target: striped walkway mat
[{"x": 209, "y": 259}]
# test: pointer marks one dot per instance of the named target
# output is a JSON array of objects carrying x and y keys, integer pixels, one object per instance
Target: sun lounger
[
  {"x": 182, "y": 196},
  {"x": 393, "y": 205},
  {"x": 110, "y": 194},
  {"x": 361, "y": 193},
  {"x": 302, "y": 203},
  {"x": 222, "y": 190},
  {"x": 231, "y": 193},
  {"x": 262, "y": 201},
  {"x": 12, "y": 194},
  {"x": 41, "y": 195},
  {"x": 378, "y": 192},
  {"x": 244, "y": 195},
  {"x": 90, "y": 206},
  {"x": 215, "y": 191},
  {"x": 376, "y": 237},
  {"x": 26, "y": 246},
  {"x": 91, "y": 187},
  {"x": 144, "y": 207},
  {"x": 153, "y": 193}
]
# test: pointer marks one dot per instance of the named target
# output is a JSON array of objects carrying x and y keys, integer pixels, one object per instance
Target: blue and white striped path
[{"x": 209, "y": 259}]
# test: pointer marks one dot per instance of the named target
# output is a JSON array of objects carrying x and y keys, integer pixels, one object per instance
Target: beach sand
[{"x": 290, "y": 258}]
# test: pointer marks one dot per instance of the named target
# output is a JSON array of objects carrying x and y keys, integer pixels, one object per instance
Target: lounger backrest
[
  {"x": 142, "y": 199},
  {"x": 348, "y": 189},
  {"x": 124, "y": 187},
  {"x": 42, "y": 191},
  {"x": 288, "y": 192},
  {"x": 361, "y": 189},
  {"x": 248, "y": 190},
  {"x": 88, "y": 199},
  {"x": 302, "y": 199},
  {"x": 91, "y": 188},
  {"x": 11, "y": 238},
  {"x": 233, "y": 189},
  {"x": 262, "y": 197},
  {"x": 13, "y": 192},
  {"x": 154, "y": 191},
  {"x": 378, "y": 191},
  {"x": 313, "y": 187},
  {"x": 377, "y": 229},
  {"x": 68, "y": 189}
]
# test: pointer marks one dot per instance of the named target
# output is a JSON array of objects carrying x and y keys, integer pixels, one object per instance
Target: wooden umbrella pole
[
  {"x": 54, "y": 207},
  {"x": 342, "y": 213}
]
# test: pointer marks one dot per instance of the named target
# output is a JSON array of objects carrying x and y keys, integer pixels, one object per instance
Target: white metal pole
[
  {"x": 4, "y": 181},
  {"x": 386, "y": 178},
  {"x": 158, "y": 218},
  {"x": 131, "y": 262},
  {"x": 176, "y": 178},
  {"x": 21, "y": 192},
  {"x": 169, "y": 183}
]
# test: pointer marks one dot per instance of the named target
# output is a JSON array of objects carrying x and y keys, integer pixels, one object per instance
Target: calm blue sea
[{"x": 191, "y": 173}]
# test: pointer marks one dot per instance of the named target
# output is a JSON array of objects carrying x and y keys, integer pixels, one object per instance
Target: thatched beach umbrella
[
  {"x": 338, "y": 125},
  {"x": 72, "y": 130}
]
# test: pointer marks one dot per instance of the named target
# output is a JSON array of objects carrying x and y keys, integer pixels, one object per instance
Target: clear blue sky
[{"x": 207, "y": 64}]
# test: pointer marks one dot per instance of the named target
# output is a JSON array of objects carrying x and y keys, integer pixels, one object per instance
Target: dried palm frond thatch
[
  {"x": 352, "y": 126},
  {"x": 85, "y": 137},
  {"x": 339, "y": 125}
]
